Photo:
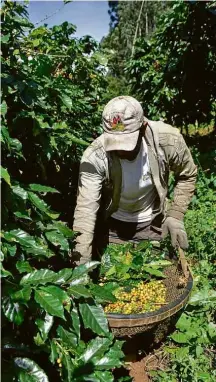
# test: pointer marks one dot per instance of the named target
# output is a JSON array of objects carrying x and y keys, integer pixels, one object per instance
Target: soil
[{"x": 139, "y": 367}]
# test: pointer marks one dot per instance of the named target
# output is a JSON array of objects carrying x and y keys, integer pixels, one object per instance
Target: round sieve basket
[{"x": 179, "y": 283}]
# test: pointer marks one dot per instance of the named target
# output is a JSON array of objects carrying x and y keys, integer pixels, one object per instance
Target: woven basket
[{"x": 160, "y": 321}]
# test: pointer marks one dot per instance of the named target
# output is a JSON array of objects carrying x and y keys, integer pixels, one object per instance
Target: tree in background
[
  {"x": 174, "y": 73},
  {"x": 128, "y": 21}
]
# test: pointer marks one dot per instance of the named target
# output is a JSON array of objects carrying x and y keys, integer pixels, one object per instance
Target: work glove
[{"x": 177, "y": 232}]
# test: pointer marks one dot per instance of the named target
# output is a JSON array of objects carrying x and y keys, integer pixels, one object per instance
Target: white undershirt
[{"x": 138, "y": 192}]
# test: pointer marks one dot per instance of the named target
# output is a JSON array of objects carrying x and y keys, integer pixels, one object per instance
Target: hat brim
[{"x": 123, "y": 142}]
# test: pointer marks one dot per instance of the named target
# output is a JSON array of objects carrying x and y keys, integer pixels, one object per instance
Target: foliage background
[{"x": 54, "y": 88}]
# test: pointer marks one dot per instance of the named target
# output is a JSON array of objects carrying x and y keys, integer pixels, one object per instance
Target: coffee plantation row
[{"x": 54, "y": 88}]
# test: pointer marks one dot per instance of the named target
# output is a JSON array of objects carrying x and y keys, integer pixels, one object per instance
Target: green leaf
[
  {"x": 58, "y": 293},
  {"x": 57, "y": 239},
  {"x": 94, "y": 318},
  {"x": 75, "y": 321},
  {"x": 41, "y": 205},
  {"x": 100, "y": 376},
  {"x": 13, "y": 311},
  {"x": 3, "y": 108},
  {"x": 69, "y": 367},
  {"x": 83, "y": 269},
  {"x": 182, "y": 353},
  {"x": 5, "y": 38},
  {"x": 22, "y": 21},
  {"x": 61, "y": 227},
  {"x": 78, "y": 141},
  {"x": 49, "y": 303},
  {"x": 44, "y": 326},
  {"x": 78, "y": 291},
  {"x": 143, "y": 245},
  {"x": 67, "y": 337},
  {"x": 36, "y": 42},
  {"x": 180, "y": 338},
  {"x": 96, "y": 347},
  {"x": 203, "y": 296},
  {"x": 27, "y": 242},
  {"x": 109, "y": 361},
  {"x": 22, "y": 215},
  {"x": 5, "y": 175},
  {"x": 111, "y": 271},
  {"x": 41, "y": 188},
  {"x": 102, "y": 293},
  {"x": 183, "y": 323},
  {"x": 81, "y": 280},
  {"x": 199, "y": 350},
  {"x": 153, "y": 272},
  {"x": 212, "y": 331},
  {"x": 63, "y": 276},
  {"x": 4, "y": 273},
  {"x": 54, "y": 352},
  {"x": 67, "y": 101},
  {"x": 202, "y": 376},
  {"x": 22, "y": 295},
  {"x": 32, "y": 372},
  {"x": 23, "y": 266},
  {"x": 11, "y": 249},
  {"x": 42, "y": 276},
  {"x": 20, "y": 192},
  {"x": 160, "y": 263}
]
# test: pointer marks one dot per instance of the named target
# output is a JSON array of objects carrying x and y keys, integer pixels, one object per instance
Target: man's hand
[{"x": 177, "y": 232}]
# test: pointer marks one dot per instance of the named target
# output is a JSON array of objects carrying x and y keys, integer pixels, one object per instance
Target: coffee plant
[
  {"x": 53, "y": 91},
  {"x": 53, "y": 327}
]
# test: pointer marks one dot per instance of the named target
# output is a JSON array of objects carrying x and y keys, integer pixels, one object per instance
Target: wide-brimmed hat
[{"x": 122, "y": 119}]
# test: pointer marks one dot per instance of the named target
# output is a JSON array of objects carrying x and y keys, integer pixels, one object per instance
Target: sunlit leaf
[
  {"x": 22, "y": 295},
  {"x": 49, "y": 303},
  {"x": 41, "y": 188},
  {"x": 96, "y": 347},
  {"x": 19, "y": 191},
  {"x": 42, "y": 276},
  {"x": 180, "y": 338},
  {"x": 44, "y": 325},
  {"x": 78, "y": 291},
  {"x": 23, "y": 266},
  {"x": 13, "y": 311},
  {"x": 94, "y": 318},
  {"x": 31, "y": 371},
  {"x": 5, "y": 175},
  {"x": 57, "y": 239},
  {"x": 67, "y": 337},
  {"x": 41, "y": 205}
]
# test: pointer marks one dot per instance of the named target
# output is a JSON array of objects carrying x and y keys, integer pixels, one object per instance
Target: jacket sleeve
[
  {"x": 185, "y": 172},
  {"x": 88, "y": 202}
]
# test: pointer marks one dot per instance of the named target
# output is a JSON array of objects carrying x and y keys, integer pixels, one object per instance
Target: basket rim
[{"x": 160, "y": 312}]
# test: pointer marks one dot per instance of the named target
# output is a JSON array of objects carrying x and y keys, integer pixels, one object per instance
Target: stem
[{"x": 137, "y": 27}]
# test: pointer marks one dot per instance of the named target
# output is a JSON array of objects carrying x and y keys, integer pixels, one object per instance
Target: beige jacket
[{"x": 100, "y": 172}]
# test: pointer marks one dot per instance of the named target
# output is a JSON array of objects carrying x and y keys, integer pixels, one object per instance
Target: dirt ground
[{"x": 140, "y": 366}]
